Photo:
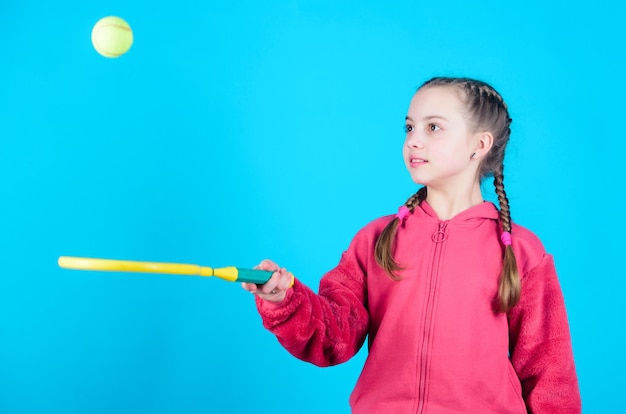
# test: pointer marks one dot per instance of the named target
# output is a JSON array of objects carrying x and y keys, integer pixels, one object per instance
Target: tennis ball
[{"x": 111, "y": 36}]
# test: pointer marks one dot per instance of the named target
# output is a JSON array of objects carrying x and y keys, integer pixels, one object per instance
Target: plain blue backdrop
[{"x": 237, "y": 131}]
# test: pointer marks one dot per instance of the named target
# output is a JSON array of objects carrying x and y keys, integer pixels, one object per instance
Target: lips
[{"x": 416, "y": 161}]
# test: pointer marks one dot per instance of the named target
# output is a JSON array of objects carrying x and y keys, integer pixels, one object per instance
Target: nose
[{"x": 414, "y": 141}]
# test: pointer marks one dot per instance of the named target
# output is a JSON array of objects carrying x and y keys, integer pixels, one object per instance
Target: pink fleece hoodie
[{"x": 435, "y": 343}]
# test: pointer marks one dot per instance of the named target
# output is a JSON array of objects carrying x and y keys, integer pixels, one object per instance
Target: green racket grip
[
  {"x": 260, "y": 277},
  {"x": 257, "y": 276}
]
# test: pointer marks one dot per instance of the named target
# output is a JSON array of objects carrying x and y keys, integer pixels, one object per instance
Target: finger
[
  {"x": 286, "y": 280},
  {"x": 271, "y": 286},
  {"x": 279, "y": 282},
  {"x": 250, "y": 287},
  {"x": 267, "y": 264}
]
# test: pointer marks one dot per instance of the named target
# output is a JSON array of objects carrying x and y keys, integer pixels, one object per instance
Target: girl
[{"x": 461, "y": 307}]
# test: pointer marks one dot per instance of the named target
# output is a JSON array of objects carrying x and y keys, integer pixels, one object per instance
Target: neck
[{"x": 449, "y": 204}]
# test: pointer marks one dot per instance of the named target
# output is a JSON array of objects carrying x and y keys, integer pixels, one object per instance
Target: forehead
[{"x": 444, "y": 101}]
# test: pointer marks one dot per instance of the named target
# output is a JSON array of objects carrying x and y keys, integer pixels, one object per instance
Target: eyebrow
[{"x": 428, "y": 118}]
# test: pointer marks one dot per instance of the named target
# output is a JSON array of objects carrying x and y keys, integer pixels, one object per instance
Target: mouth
[{"x": 415, "y": 161}]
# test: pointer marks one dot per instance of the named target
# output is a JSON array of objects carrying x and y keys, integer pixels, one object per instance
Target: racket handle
[
  {"x": 253, "y": 276},
  {"x": 257, "y": 276}
]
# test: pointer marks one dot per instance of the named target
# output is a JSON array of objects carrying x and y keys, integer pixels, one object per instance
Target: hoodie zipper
[{"x": 438, "y": 238}]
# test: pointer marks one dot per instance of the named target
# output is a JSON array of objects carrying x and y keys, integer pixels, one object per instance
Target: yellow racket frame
[{"x": 229, "y": 273}]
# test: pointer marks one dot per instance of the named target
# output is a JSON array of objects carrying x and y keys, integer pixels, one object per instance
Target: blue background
[{"x": 237, "y": 131}]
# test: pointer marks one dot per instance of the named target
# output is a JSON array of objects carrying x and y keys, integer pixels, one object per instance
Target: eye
[
  {"x": 408, "y": 128},
  {"x": 433, "y": 127}
]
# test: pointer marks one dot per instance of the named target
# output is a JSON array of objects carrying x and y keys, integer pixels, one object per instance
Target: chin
[{"x": 419, "y": 181}]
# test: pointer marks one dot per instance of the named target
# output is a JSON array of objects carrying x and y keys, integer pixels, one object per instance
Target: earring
[{"x": 473, "y": 156}]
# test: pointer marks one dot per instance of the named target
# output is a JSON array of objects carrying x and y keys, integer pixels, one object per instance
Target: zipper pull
[{"x": 440, "y": 236}]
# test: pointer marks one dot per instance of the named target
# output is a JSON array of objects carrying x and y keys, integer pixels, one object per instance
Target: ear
[{"x": 483, "y": 141}]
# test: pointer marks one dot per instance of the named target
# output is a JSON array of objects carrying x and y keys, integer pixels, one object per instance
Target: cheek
[
  {"x": 452, "y": 149},
  {"x": 405, "y": 149}
]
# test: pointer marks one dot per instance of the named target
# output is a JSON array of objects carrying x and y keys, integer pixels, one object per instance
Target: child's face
[{"x": 439, "y": 145}]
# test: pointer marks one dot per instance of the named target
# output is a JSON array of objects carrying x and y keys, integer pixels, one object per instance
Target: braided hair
[{"x": 487, "y": 111}]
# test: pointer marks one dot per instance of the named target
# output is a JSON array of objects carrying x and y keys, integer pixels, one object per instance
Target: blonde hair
[{"x": 487, "y": 111}]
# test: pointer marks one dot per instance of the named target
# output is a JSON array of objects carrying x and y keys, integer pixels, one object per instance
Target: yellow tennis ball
[{"x": 111, "y": 36}]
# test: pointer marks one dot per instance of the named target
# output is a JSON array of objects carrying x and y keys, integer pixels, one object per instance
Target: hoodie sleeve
[
  {"x": 326, "y": 328},
  {"x": 541, "y": 348}
]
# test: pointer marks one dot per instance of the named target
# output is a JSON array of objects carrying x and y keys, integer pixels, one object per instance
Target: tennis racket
[{"x": 229, "y": 273}]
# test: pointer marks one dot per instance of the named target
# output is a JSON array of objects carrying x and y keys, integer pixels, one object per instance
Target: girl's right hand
[{"x": 275, "y": 289}]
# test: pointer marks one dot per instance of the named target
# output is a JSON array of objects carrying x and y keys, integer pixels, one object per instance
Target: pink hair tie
[
  {"x": 506, "y": 238},
  {"x": 403, "y": 212}
]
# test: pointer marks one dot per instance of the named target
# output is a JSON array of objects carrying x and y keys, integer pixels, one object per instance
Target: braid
[
  {"x": 505, "y": 213},
  {"x": 487, "y": 92},
  {"x": 509, "y": 289},
  {"x": 416, "y": 199},
  {"x": 385, "y": 244}
]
